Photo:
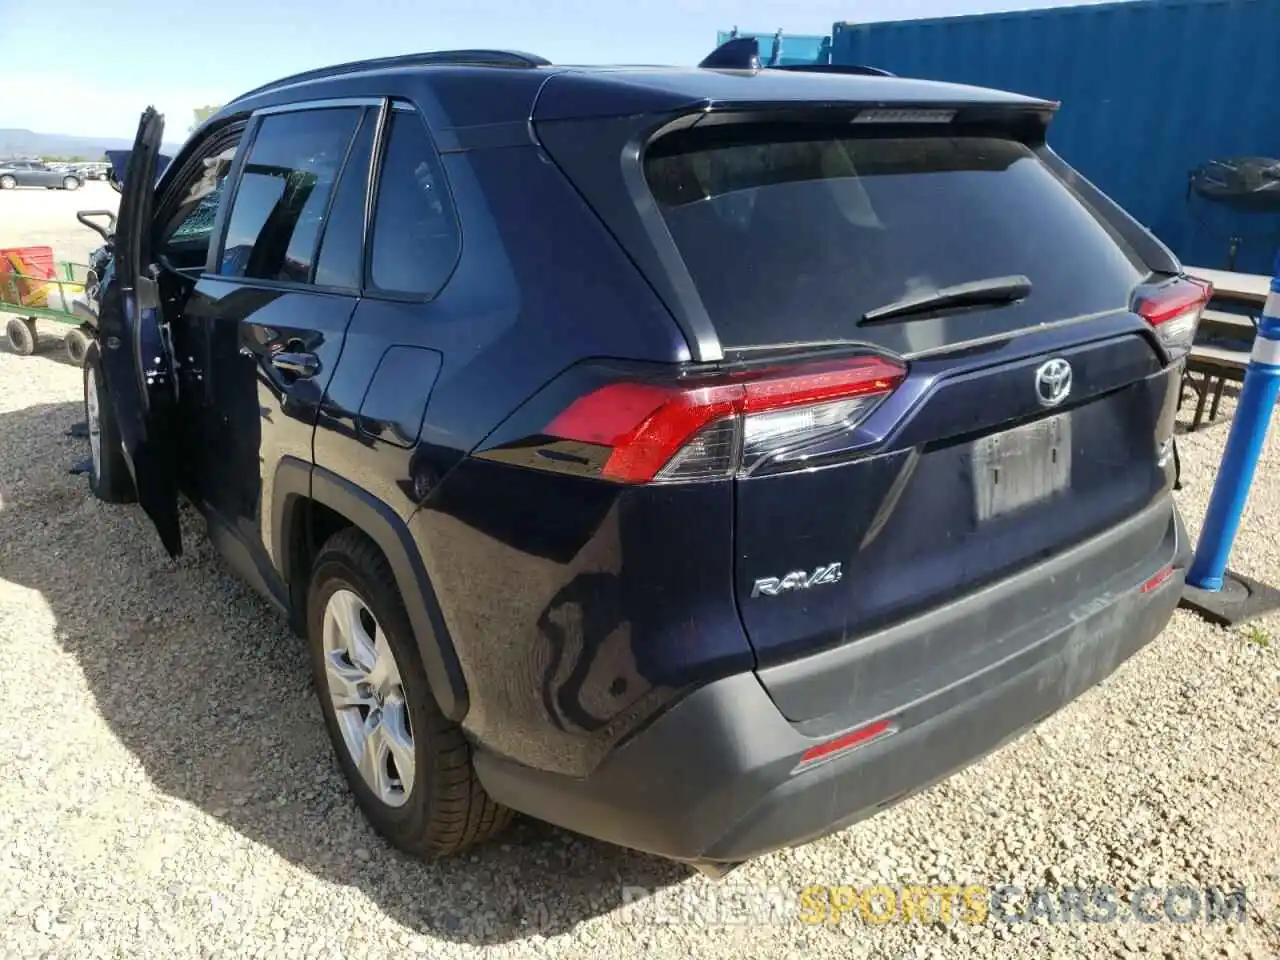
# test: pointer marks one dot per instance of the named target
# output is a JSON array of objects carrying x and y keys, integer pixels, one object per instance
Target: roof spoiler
[{"x": 743, "y": 53}]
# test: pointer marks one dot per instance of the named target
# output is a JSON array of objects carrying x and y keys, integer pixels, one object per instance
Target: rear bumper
[{"x": 712, "y": 779}]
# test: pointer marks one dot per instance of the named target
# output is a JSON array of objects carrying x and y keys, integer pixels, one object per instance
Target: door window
[
  {"x": 341, "y": 256},
  {"x": 416, "y": 240},
  {"x": 284, "y": 193},
  {"x": 186, "y": 244}
]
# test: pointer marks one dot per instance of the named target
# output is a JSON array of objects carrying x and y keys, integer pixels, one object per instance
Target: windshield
[{"x": 793, "y": 232}]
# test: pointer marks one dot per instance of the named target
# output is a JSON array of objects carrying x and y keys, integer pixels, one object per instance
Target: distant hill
[{"x": 23, "y": 143}]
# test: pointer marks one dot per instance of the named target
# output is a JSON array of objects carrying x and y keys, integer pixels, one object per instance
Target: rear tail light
[
  {"x": 1174, "y": 311},
  {"x": 726, "y": 425}
]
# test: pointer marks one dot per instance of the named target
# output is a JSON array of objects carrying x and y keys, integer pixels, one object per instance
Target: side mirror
[
  {"x": 118, "y": 160},
  {"x": 119, "y": 163}
]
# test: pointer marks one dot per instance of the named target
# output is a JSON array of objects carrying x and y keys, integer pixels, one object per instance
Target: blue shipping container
[
  {"x": 1150, "y": 89},
  {"x": 796, "y": 48}
]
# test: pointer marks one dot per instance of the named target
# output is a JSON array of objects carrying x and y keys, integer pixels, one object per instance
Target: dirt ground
[{"x": 168, "y": 790}]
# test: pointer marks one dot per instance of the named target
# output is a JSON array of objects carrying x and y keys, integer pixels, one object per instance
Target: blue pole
[{"x": 1244, "y": 446}]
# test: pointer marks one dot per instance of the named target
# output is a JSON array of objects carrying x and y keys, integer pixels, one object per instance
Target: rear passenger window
[
  {"x": 284, "y": 193},
  {"x": 341, "y": 257},
  {"x": 415, "y": 234}
]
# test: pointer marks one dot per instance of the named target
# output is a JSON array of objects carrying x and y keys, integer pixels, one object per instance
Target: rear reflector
[
  {"x": 728, "y": 424},
  {"x": 1174, "y": 311},
  {"x": 845, "y": 742},
  {"x": 1158, "y": 580}
]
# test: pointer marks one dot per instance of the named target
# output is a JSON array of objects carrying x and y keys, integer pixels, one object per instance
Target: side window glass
[
  {"x": 283, "y": 194},
  {"x": 341, "y": 257},
  {"x": 415, "y": 234},
  {"x": 191, "y": 224}
]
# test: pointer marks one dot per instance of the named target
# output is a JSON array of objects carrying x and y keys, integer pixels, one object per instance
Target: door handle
[{"x": 298, "y": 364}]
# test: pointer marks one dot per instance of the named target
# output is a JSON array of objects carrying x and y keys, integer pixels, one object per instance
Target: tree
[{"x": 204, "y": 113}]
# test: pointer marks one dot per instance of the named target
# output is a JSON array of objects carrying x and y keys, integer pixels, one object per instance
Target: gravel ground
[
  {"x": 33, "y": 215},
  {"x": 168, "y": 790}
]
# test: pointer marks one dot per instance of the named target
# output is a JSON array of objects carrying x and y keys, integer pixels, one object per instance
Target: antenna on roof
[
  {"x": 743, "y": 53},
  {"x": 738, "y": 53}
]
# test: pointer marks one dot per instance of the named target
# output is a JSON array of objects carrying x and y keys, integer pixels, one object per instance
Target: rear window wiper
[{"x": 991, "y": 292}]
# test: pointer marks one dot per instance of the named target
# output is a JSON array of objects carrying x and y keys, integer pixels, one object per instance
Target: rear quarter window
[
  {"x": 416, "y": 239},
  {"x": 792, "y": 232}
]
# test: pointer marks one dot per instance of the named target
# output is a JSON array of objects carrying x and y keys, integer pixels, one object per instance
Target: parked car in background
[
  {"x": 776, "y": 443},
  {"x": 37, "y": 173}
]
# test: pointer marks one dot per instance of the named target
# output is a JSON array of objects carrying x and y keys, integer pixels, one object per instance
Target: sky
[{"x": 77, "y": 67}]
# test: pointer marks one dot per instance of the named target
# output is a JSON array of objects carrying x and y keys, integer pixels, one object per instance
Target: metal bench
[{"x": 1216, "y": 366}]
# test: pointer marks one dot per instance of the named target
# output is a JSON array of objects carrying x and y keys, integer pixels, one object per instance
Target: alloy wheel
[
  {"x": 368, "y": 697},
  {"x": 95, "y": 423}
]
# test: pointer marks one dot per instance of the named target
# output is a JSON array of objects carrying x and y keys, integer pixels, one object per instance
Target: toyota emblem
[{"x": 1053, "y": 382}]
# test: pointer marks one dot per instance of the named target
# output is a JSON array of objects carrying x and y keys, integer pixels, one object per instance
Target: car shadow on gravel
[{"x": 207, "y": 688}]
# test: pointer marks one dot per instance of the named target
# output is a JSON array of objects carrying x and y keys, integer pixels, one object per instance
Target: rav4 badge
[{"x": 796, "y": 580}]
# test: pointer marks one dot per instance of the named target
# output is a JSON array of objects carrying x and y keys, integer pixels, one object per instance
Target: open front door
[{"x": 137, "y": 361}]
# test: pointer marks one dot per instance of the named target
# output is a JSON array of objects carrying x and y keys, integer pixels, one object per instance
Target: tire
[
  {"x": 109, "y": 477},
  {"x": 22, "y": 336},
  {"x": 7, "y": 182},
  {"x": 76, "y": 345},
  {"x": 70, "y": 183},
  {"x": 445, "y": 809}
]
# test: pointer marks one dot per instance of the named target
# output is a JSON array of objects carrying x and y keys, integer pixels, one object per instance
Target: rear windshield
[{"x": 791, "y": 233}]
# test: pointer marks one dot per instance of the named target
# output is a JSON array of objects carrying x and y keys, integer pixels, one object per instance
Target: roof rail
[
  {"x": 476, "y": 58},
  {"x": 743, "y": 53},
  {"x": 853, "y": 68}
]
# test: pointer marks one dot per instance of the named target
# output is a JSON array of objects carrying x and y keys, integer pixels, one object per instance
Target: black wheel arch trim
[{"x": 296, "y": 479}]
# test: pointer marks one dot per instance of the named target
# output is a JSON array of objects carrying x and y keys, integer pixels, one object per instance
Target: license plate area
[{"x": 1019, "y": 467}]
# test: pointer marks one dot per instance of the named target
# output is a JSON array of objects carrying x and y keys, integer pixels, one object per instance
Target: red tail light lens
[
  {"x": 714, "y": 428},
  {"x": 1174, "y": 311}
]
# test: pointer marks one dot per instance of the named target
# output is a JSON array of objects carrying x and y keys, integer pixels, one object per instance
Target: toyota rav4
[{"x": 700, "y": 459}]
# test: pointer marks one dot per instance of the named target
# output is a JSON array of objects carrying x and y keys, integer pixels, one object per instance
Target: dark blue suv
[{"x": 699, "y": 459}]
